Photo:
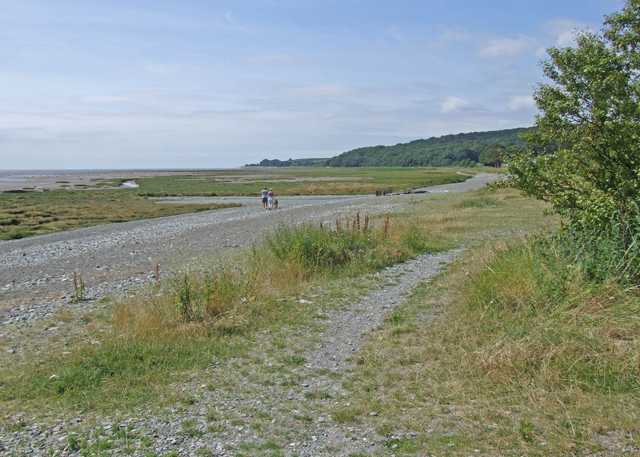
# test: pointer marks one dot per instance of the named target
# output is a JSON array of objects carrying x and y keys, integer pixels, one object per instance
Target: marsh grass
[
  {"x": 352, "y": 245},
  {"x": 37, "y": 213},
  {"x": 299, "y": 181},
  {"x": 526, "y": 357}
]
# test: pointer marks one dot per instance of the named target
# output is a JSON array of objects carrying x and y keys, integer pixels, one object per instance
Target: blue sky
[{"x": 214, "y": 84}]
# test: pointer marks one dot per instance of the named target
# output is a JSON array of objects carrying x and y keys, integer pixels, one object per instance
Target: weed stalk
[
  {"x": 385, "y": 228},
  {"x": 78, "y": 288}
]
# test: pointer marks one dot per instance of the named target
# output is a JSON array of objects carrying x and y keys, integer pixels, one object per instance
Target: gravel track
[{"x": 36, "y": 276}]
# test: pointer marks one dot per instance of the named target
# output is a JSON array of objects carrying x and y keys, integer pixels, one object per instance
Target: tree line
[{"x": 464, "y": 149}]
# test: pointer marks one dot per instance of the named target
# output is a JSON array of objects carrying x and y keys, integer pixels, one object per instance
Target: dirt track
[{"x": 119, "y": 257}]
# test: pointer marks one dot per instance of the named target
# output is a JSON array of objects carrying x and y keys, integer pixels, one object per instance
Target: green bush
[{"x": 210, "y": 295}]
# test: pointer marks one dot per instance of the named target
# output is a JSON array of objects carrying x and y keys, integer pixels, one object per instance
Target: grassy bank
[{"x": 525, "y": 356}]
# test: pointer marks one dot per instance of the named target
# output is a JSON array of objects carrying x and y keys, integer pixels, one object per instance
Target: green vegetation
[
  {"x": 586, "y": 160},
  {"x": 464, "y": 150},
  {"x": 352, "y": 245},
  {"x": 36, "y": 213},
  {"x": 289, "y": 163},
  {"x": 296, "y": 181}
]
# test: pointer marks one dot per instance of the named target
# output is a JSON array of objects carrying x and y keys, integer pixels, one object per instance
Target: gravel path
[{"x": 262, "y": 408}]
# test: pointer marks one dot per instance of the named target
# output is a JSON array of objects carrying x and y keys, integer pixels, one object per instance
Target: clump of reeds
[{"x": 353, "y": 244}]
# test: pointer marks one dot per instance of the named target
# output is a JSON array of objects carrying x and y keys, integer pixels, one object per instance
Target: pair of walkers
[{"x": 267, "y": 198}]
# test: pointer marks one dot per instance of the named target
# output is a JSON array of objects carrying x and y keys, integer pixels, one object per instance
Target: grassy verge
[
  {"x": 37, "y": 213},
  {"x": 525, "y": 356}
]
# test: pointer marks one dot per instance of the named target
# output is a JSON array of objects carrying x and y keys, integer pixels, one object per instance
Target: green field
[{"x": 297, "y": 181}]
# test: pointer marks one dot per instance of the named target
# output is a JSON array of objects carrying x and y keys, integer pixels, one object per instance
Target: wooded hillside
[{"x": 463, "y": 149}]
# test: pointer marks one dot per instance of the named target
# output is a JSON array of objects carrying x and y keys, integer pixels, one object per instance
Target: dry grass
[{"x": 519, "y": 361}]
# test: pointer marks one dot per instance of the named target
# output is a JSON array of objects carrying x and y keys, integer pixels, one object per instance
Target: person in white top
[{"x": 265, "y": 196}]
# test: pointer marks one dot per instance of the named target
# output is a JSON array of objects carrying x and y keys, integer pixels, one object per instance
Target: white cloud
[
  {"x": 562, "y": 30},
  {"x": 503, "y": 47},
  {"x": 521, "y": 103},
  {"x": 454, "y": 105}
]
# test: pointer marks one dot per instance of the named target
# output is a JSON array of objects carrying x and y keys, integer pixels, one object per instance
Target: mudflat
[{"x": 40, "y": 180}]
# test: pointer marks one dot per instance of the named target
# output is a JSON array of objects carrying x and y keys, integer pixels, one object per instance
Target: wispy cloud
[
  {"x": 454, "y": 105},
  {"x": 120, "y": 98},
  {"x": 506, "y": 48},
  {"x": 448, "y": 37},
  {"x": 521, "y": 103},
  {"x": 228, "y": 21}
]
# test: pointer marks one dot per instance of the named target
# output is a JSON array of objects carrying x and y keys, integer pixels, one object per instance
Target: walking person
[
  {"x": 270, "y": 196},
  {"x": 265, "y": 196}
]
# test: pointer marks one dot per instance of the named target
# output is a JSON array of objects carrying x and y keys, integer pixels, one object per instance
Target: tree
[
  {"x": 491, "y": 156},
  {"x": 584, "y": 155}
]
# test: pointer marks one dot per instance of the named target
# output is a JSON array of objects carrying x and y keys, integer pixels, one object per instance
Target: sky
[{"x": 217, "y": 84}]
